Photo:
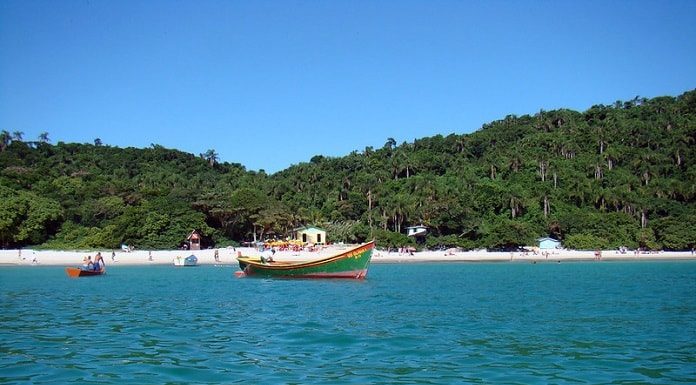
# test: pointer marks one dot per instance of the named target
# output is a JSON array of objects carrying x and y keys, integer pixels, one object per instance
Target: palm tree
[
  {"x": 462, "y": 145},
  {"x": 43, "y": 137},
  {"x": 97, "y": 142},
  {"x": 5, "y": 139},
  {"x": 390, "y": 144},
  {"x": 211, "y": 156},
  {"x": 17, "y": 136}
]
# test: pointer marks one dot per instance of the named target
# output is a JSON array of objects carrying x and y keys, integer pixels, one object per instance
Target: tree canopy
[{"x": 617, "y": 175}]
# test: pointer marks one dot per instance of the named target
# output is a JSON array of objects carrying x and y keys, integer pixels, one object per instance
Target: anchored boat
[
  {"x": 351, "y": 263},
  {"x": 74, "y": 272},
  {"x": 191, "y": 260}
]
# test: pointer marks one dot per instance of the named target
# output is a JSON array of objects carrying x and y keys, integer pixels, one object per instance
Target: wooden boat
[
  {"x": 75, "y": 272},
  {"x": 351, "y": 263}
]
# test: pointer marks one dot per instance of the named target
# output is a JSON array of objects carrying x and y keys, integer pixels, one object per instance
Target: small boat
[
  {"x": 351, "y": 263},
  {"x": 191, "y": 260},
  {"x": 74, "y": 272}
]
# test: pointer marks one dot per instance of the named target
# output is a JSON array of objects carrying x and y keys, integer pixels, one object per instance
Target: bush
[
  {"x": 585, "y": 242},
  {"x": 76, "y": 237},
  {"x": 386, "y": 239},
  {"x": 449, "y": 241}
]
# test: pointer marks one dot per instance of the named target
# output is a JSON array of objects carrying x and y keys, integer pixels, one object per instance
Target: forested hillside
[{"x": 614, "y": 175}]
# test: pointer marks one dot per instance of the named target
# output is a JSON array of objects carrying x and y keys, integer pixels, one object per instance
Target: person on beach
[
  {"x": 113, "y": 256},
  {"x": 217, "y": 255},
  {"x": 149, "y": 255}
]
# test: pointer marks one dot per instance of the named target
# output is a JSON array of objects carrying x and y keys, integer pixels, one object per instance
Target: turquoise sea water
[{"x": 565, "y": 323}]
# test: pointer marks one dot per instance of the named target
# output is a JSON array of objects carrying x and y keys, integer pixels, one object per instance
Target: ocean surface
[{"x": 514, "y": 323}]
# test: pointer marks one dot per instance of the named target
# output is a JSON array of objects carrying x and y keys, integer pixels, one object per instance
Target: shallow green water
[{"x": 563, "y": 323}]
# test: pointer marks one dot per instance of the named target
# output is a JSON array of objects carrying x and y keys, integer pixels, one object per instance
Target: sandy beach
[{"x": 227, "y": 256}]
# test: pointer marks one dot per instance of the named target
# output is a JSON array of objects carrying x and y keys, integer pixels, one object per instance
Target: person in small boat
[
  {"x": 87, "y": 263},
  {"x": 268, "y": 258},
  {"x": 98, "y": 262}
]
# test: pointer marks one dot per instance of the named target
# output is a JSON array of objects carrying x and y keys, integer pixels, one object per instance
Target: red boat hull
[{"x": 75, "y": 272}]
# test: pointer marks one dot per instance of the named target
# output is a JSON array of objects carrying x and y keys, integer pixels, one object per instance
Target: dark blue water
[{"x": 567, "y": 323}]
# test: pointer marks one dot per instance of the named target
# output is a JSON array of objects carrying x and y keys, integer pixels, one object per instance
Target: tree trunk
[
  {"x": 542, "y": 170},
  {"x": 369, "y": 208},
  {"x": 679, "y": 160},
  {"x": 643, "y": 219}
]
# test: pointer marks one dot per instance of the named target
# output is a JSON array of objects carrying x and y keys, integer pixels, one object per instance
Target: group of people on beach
[{"x": 96, "y": 265}]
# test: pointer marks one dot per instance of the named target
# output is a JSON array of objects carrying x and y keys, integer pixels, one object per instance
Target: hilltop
[{"x": 614, "y": 175}]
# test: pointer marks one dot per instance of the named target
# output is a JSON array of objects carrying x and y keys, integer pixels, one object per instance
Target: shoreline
[{"x": 227, "y": 256}]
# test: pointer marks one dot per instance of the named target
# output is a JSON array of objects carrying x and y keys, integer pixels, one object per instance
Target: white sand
[{"x": 227, "y": 256}]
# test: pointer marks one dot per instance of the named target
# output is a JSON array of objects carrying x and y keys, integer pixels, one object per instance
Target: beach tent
[{"x": 549, "y": 243}]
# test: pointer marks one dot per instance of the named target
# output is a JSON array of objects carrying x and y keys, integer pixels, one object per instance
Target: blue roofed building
[{"x": 549, "y": 243}]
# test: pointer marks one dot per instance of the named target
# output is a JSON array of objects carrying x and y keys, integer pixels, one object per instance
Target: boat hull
[
  {"x": 189, "y": 261},
  {"x": 75, "y": 272},
  {"x": 351, "y": 264}
]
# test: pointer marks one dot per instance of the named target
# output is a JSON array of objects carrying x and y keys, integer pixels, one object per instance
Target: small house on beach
[
  {"x": 416, "y": 231},
  {"x": 194, "y": 240},
  {"x": 547, "y": 243},
  {"x": 309, "y": 234}
]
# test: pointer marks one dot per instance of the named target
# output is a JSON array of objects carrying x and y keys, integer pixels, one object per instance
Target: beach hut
[
  {"x": 547, "y": 243},
  {"x": 416, "y": 231},
  {"x": 194, "y": 240},
  {"x": 309, "y": 234}
]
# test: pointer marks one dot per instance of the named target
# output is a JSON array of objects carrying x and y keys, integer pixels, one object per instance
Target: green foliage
[
  {"x": 390, "y": 239},
  {"x": 449, "y": 241},
  {"x": 676, "y": 233},
  {"x": 347, "y": 232},
  {"x": 26, "y": 218},
  {"x": 507, "y": 233},
  {"x": 646, "y": 239},
  {"x": 74, "y": 236},
  {"x": 620, "y": 175},
  {"x": 585, "y": 242}
]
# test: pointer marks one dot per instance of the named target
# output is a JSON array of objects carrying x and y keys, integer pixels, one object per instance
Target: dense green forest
[{"x": 614, "y": 175}]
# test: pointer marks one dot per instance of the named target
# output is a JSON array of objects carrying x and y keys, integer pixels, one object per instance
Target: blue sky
[{"x": 269, "y": 84}]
